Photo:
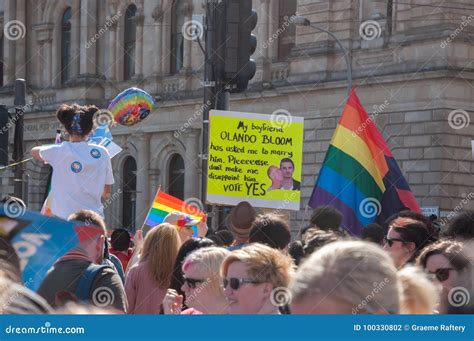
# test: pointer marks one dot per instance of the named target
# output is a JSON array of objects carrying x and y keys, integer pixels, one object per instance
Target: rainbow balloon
[{"x": 131, "y": 106}]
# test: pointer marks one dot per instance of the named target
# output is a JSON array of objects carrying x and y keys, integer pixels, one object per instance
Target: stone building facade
[{"x": 413, "y": 71}]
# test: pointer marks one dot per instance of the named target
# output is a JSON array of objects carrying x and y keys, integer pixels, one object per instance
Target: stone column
[
  {"x": 75, "y": 38},
  {"x": 166, "y": 39},
  {"x": 87, "y": 64},
  {"x": 143, "y": 165},
  {"x": 188, "y": 43},
  {"x": 139, "y": 46},
  {"x": 191, "y": 164},
  {"x": 263, "y": 31},
  {"x": 118, "y": 43},
  {"x": 111, "y": 52},
  {"x": 273, "y": 26},
  {"x": 158, "y": 23},
  {"x": 44, "y": 37}
]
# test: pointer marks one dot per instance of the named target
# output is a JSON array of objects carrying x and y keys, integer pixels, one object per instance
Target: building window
[
  {"x": 176, "y": 177},
  {"x": 66, "y": 45},
  {"x": 130, "y": 37},
  {"x": 177, "y": 39},
  {"x": 286, "y": 41},
  {"x": 129, "y": 186}
]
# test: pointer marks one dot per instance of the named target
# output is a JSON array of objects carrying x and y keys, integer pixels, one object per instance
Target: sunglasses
[
  {"x": 441, "y": 274},
  {"x": 235, "y": 283},
  {"x": 192, "y": 282},
  {"x": 390, "y": 241}
]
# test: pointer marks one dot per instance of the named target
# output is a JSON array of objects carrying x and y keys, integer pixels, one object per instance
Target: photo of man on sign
[{"x": 282, "y": 178}]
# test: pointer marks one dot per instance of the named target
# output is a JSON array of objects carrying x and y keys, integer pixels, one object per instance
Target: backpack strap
[{"x": 87, "y": 278}]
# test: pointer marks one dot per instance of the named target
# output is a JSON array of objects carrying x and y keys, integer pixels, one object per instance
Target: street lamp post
[{"x": 302, "y": 21}]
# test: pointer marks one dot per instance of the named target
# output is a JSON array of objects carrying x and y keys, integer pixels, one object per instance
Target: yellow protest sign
[{"x": 256, "y": 158}]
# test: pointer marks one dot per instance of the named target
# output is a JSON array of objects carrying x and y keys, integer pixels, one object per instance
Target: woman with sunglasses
[
  {"x": 405, "y": 239},
  {"x": 202, "y": 284},
  {"x": 254, "y": 279},
  {"x": 445, "y": 261},
  {"x": 185, "y": 250}
]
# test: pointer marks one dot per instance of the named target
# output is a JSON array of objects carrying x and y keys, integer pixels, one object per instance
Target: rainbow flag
[
  {"x": 165, "y": 204},
  {"x": 359, "y": 175}
]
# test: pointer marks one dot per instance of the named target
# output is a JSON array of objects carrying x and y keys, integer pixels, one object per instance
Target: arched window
[
  {"x": 130, "y": 37},
  {"x": 129, "y": 187},
  {"x": 66, "y": 45},
  {"x": 176, "y": 177},
  {"x": 177, "y": 39},
  {"x": 286, "y": 41}
]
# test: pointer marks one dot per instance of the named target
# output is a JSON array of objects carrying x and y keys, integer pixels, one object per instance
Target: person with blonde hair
[
  {"x": 255, "y": 279},
  {"x": 346, "y": 277},
  {"x": 418, "y": 294},
  {"x": 202, "y": 284},
  {"x": 147, "y": 281}
]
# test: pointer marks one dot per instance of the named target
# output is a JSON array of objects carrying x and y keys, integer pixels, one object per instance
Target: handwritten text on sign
[{"x": 255, "y": 159}]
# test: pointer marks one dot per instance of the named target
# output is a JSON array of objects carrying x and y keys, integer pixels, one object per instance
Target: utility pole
[
  {"x": 19, "y": 102},
  {"x": 209, "y": 91}
]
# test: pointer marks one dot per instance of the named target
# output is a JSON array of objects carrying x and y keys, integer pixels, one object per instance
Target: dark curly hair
[
  {"x": 462, "y": 226},
  {"x": 77, "y": 120}
]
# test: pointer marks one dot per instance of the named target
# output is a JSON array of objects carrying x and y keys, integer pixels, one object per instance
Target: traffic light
[{"x": 235, "y": 43}]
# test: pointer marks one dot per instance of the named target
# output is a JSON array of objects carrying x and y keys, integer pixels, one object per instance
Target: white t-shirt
[{"x": 80, "y": 172}]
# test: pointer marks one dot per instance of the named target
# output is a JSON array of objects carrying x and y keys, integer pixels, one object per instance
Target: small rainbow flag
[
  {"x": 359, "y": 175},
  {"x": 165, "y": 204}
]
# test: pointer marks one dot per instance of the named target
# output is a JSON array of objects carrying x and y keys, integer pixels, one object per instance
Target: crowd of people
[
  {"x": 414, "y": 269},
  {"x": 407, "y": 265}
]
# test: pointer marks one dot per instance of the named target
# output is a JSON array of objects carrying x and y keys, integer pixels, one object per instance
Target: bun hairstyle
[{"x": 77, "y": 120}]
